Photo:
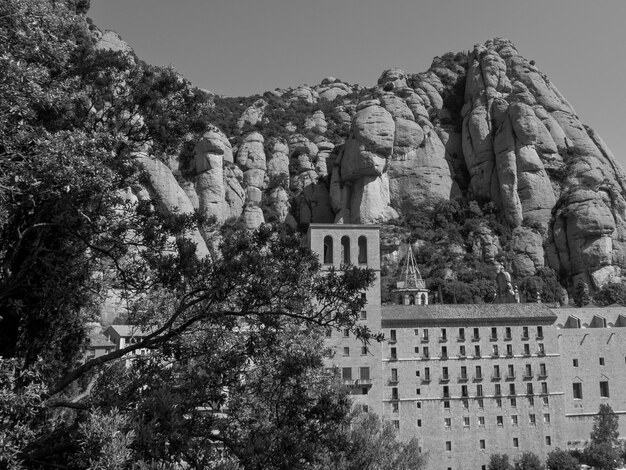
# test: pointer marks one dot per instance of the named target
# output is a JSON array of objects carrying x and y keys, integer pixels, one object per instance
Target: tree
[
  {"x": 612, "y": 293},
  {"x": 605, "y": 426},
  {"x": 499, "y": 462},
  {"x": 368, "y": 444},
  {"x": 581, "y": 294},
  {"x": 528, "y": 461},
  {"x": 561, "y": 460},
  {"x": 603, "y": 452}
]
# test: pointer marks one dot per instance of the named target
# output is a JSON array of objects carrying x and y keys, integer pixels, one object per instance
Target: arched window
[
  {"x": 328, "y": 249},
  {"x": 345, "y": 250},
  {"x": 362, "y": 250},
  {"x": 411, "y": 299}
]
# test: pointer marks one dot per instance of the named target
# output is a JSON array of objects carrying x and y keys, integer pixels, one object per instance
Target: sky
[{"x": 243, "y": 47}]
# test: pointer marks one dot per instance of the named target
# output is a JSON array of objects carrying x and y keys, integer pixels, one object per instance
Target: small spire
[{"x": 412, "y": 275}]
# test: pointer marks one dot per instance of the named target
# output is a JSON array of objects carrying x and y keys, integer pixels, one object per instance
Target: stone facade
[{"x": 472, "y": 380}]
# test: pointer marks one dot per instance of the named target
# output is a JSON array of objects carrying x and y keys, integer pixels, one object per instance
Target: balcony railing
[
  {"x": 444, "y": 378},
  {"x": 496, "y": 377},
  {"x": 364, "y": 382},
  {"x": 463, "y": 378}
]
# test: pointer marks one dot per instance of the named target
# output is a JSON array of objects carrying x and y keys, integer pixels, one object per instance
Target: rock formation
[{"x": 484, "y": 125}]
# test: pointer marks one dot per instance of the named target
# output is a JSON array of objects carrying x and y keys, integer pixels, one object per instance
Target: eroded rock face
[{"x": 487, "y": 126}]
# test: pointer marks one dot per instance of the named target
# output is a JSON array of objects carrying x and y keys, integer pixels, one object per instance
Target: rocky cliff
[{"x": 484, "y": 126}]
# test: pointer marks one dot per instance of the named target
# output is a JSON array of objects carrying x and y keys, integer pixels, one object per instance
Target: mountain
[{"x": 477, "y": 162}]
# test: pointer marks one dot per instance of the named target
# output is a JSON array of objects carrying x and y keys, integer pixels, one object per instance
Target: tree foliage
[
  {"x": 561, "y": 460},
  {"x": 611, "y": 293},
  {"x": 499, "y": 462},
  {"x": 528, "y": 461},
  {"x": 581, "y": 294}
]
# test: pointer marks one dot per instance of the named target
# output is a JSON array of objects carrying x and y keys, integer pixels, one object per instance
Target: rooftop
[
  {"x": 398, "y": 315},
  {"x": 128, "y": 330}
]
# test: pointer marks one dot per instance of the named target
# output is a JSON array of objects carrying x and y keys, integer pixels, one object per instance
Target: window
[
  {"x": 480, "y": 403},
  {"x": 444, "y": 352},
  {"x": 532, "y": 419},
  {"x": 526, "y": 349},
  {"x": 346, "y": 373},
  {"x": 363, "y": 350},
  {"x": 540, "y": 332},
  {"x": 464, "y": 391},
  {"x": 444, "y": 374},
  {"x": 418, "y": 391},
  {"x": 328, "y": 249},
  {"x": 395, "y": 407},
  {"x": 466, "y": 421},
  {"x": 496, "y": 372},
  {"x": 417, "y": 373},
  {"x": 531, "y": 401},
  {"x": 577, "y": 389},
  {"x": 511, "y": 373},
  {"x": 542, "y": 370},
  {"x": 514, "y": 420},
  {"x": 542, "y": 349},
  {"x": 465, "y": 404},
  {"x": 447, "y": 422},
  {"x": 425, "y": 352},
  {"x": 345, "y": 250},
  {"x": 427, "y": 373},
  {"x": 529, "y": 388},
  {"x": 394, "y": 375},
  {"x": 419, "y": 423},
  {"x": 575, "y": 362},
  {"x": 481, "y": 444},
  {"x": 425, "y": 334},
  {"x": 546, "y": 401},
  {"x": 462, "y": 351},
  {"x": 362, "y": 250},
  {"x": 498, "y": 390},
  {"x": 479, "y": 373},
  {"x": 416, "y": 350},
  {"x": 394, "y": 393},
  {"x": 461, "y": 334},
  {"x": 416, "y": 332},
  {"x": 524, "y": 333},
  {"x": 392, "y": 336},
  {"x": 418, "y": 405},
  {"x": 499, "y": 402},
  {"x": 494, "y": 334},
  {"x": 601, "y": 361},
  {"x": 548, "y": 441},
  {"x": 364, "y": 373},
  {"x": 394, "y": 354},
  {"x": 544, "y": 387},
  {"x": 546, "y": 418},
  {"x": 515, "y": 442},
  {"x": 529, "y": 371},
  {"x": 346, "y": 333},
  {"x": 604, "y": 389},
  {"x": 363, "y": 315},
  {"x": 511, "y": 389},
  {"x": 481, "y": 420},
  {"x": 499, "y": 421},
  {"x": 444, "y": 335},
  {"x": 346, "y": 351},
  {"x": 513, "y": 402},
  {"x": 396, "y": 424},
  {"x": 477, "y": 351},
  {"x": 446, "y": 391},
  {"x": 449, "y": 446},
  {"x": 463, "y": 373},
  {"x": 509, "y": 350},
  {"x": 494, "y": 350},
  {"x": 479, "y": 390},
  {"x": 507, "y": 333},
  {"x": 476, "y": 334}
]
